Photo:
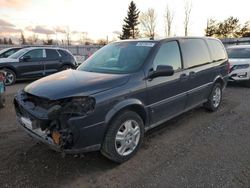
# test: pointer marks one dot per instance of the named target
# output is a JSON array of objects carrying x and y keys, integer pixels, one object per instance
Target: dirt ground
[{"x": 196, "y": 149}]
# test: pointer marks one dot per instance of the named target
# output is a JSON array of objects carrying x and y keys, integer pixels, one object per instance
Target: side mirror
[
  {"x": 25, "y": 58},
  {"x": 162, "y": 70}
]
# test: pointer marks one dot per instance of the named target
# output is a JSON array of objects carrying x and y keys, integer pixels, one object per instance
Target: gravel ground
[{"x": 196, "y": 149}]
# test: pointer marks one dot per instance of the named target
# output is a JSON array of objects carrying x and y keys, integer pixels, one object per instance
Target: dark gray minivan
[{"x": 123, "y": 90}]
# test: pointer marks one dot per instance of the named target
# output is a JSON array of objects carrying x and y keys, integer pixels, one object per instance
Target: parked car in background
[
  {"x": 123, "y": 90},
  {"x": 6, "y": 52},
  {"x": 35, "y": 62},
  {"x": 239, "y": 59},
  {"x": 2, "y": 89}
]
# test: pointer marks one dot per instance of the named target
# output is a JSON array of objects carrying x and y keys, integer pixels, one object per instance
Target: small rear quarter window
[
  {"x": 63, "y": 53},
  {"x": 217, "y": 50}
]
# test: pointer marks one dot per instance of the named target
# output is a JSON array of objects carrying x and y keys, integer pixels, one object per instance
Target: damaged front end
[{"x": 48, "y": 120}]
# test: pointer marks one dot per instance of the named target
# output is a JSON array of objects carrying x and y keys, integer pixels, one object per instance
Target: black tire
[
  {"x": 247, "y": 83},
  {"x": 211, "y": 105},
  {"x": 109, "y": 146},
  {"x": 2, "y": 101},
  {"x": 10, "y": 77},
  {"x": 65, "y": 67}
]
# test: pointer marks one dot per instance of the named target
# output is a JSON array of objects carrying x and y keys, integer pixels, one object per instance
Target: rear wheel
[
  {"x": 214, "y": 99},
  {"x": 65, "y": 67},
  {"x": 10, "y": 77},
  {"x": 124, "y": 137}
]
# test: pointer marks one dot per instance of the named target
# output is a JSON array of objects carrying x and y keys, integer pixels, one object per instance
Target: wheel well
[
  {"x": 2, "y": 68},
  {"x": 135, "y": 108},
  {"x": 220, "y": 81}
]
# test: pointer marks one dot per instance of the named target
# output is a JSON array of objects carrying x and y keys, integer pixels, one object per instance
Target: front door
[
  {"x": 31, "y": 64},
  {"x": 167, "y": 95}
]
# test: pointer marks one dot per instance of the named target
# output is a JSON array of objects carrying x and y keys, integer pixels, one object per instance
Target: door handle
[
  {"x": 183, "y": 76},
  {"x": 192, "y": 74}
]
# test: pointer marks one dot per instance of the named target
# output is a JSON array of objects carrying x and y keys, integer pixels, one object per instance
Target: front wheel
[
  {"x": 10, "y": 77},
  {"x": 65, "y": 67},
  {"x": 214, "y": 99},
  {"x": 124, "y": 137}
]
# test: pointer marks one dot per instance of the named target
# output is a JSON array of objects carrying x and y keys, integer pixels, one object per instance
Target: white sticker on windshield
[{"x": 145, "y": 44}]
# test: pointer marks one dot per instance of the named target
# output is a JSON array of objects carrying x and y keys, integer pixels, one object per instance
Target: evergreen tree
[
  {"x": 130, "y": 29},
  {"x": 5, "y": 41},
  {"x": 10, "y": 41},
  {"x": 1, "y": 41}
]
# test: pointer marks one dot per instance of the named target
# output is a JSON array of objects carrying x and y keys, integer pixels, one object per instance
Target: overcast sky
[{"x": 102, "y": 17}]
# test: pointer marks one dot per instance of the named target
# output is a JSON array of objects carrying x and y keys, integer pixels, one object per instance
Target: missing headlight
[{"x": 78, "y": 106}]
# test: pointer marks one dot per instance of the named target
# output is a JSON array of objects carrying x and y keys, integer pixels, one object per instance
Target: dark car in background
[
  {"x": 35, "y": 62},
  {"x": 6, "y": 52},
  {"x": 123, "y": 90},
  {"x": 2, "y": 89}
]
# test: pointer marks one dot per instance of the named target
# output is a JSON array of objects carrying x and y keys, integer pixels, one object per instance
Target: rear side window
[
  {"x": 51, "y": 54},
  {"x": 217, "y": 50},
  {"x": 168, "y": 54},
  {"x": 238, "y": 52},
  {"x": 195, "y": 52}
]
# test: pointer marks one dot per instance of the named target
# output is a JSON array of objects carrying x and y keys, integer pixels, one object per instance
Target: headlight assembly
[
  {"x": 76, "y": 106},
  {"x": 79, "y": 106}
]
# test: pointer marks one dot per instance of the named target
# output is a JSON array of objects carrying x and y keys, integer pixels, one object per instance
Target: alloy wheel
[
  {"x": 127, "y": 137},
  {"x": 9, "y": 78},
  {"x": 217, "y": 97}
]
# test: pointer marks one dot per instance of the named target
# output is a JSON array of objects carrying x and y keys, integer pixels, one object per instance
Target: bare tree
[
  {"x": 83, "y": 37},
  {"x": 148, "y": 22},
  {"x": 32, "y": 39},
  {"x": 68, "y": 36},
  {"x": 187, "y": 12},
  {"x": 169, "y": 15}
]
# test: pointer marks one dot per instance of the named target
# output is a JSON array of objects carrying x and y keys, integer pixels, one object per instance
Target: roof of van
[{"x": 163, "y": 39}]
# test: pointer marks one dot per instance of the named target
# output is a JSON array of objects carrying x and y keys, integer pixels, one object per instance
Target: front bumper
[
  {"x": 48, "y": 141},
  {"x": 239, "y": 75},
  {"x": 84, "y": 137}
]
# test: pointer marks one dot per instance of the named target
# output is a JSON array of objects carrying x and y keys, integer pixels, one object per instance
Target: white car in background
[{"x": 239, "y": 59}]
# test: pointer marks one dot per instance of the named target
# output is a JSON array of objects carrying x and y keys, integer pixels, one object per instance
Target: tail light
[{"x": 2, "y": 76}]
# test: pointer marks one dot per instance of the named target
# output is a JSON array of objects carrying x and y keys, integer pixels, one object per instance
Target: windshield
[
  {"x": 3, "y": 50},
  {"x": 118, "y": 58},
  {"x": 238, "y": 52},
  {"x": 18, "y": 53}
]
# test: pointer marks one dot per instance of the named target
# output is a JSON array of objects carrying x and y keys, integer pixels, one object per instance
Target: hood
[
  {"x": 72, "y": 83},
  {"x": 8, "y": 60},
  {"x": 238, "y": 61}
]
